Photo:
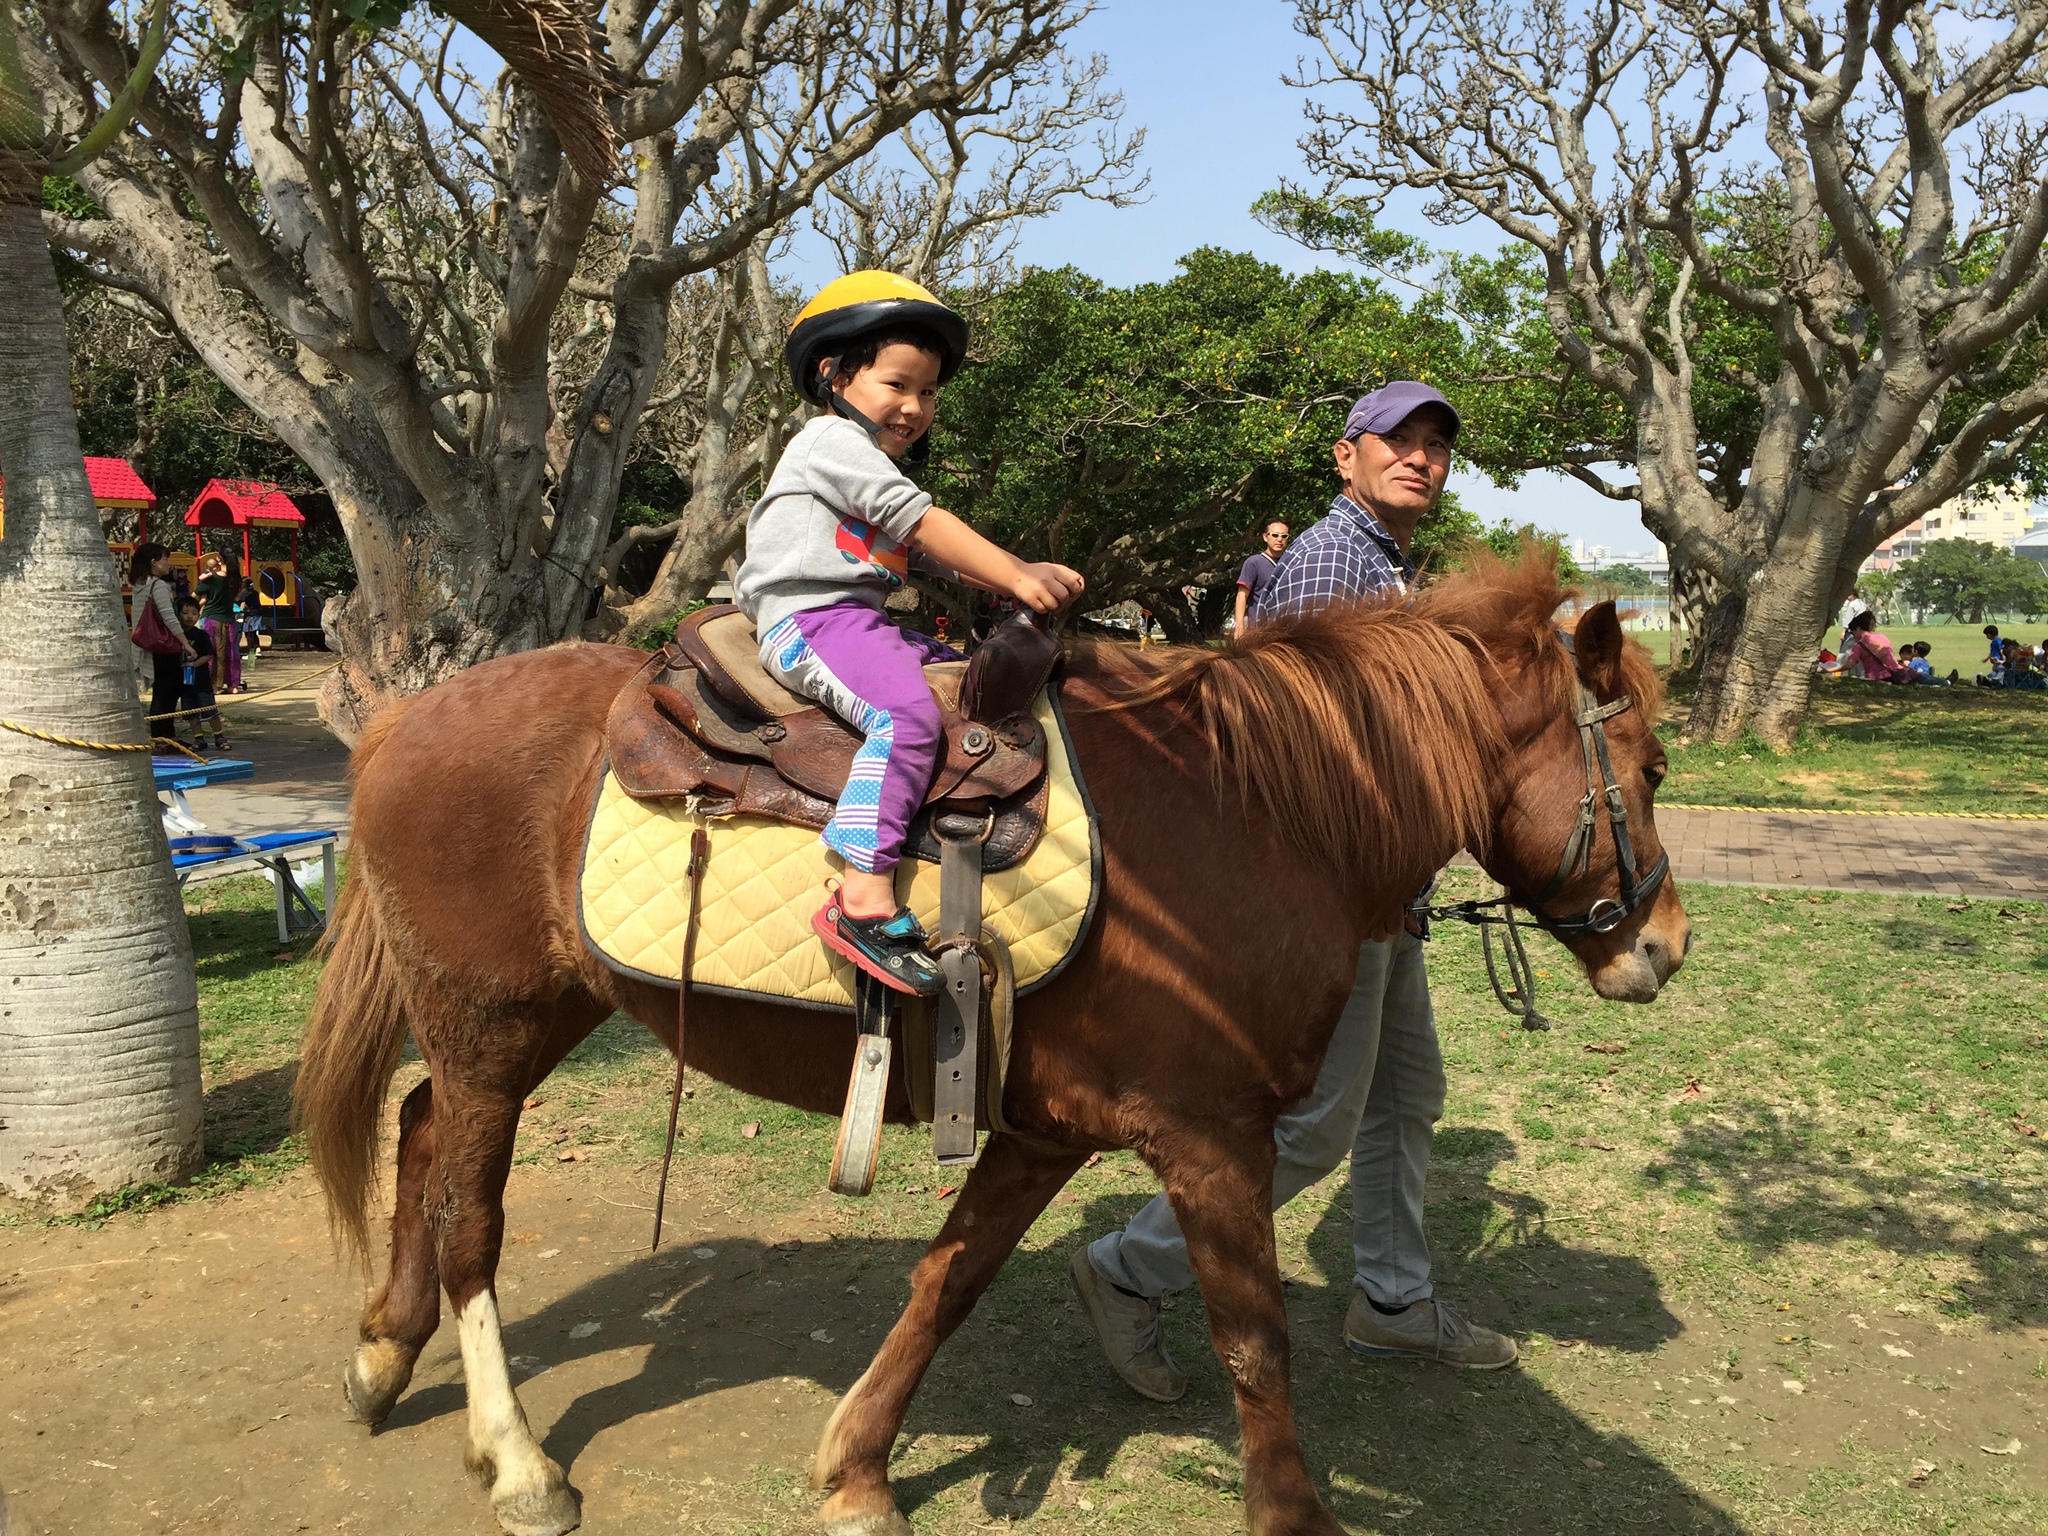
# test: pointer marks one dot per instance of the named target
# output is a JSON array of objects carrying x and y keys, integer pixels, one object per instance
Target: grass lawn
[
  {"x": 1868, "y": 747},
  {"x": 1956, "y": 750},
  {"x": 1705, "y": 1219}
]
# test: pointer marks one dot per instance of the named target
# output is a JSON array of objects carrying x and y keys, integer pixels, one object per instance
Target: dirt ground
[{"x": 180, "y": 1371}]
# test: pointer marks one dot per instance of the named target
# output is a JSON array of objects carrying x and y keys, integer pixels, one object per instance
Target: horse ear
[{"x": 1596, "y": 646}]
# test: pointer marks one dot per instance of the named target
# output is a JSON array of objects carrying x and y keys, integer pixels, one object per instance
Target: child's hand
[{"x": 1045, "y": 587}]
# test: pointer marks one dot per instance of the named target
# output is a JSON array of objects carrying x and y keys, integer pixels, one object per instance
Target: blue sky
[{"x": 1203, "y": 77}]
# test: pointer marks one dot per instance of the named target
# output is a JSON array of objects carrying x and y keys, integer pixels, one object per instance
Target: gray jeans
[{"x": 1378, "y": 1096}]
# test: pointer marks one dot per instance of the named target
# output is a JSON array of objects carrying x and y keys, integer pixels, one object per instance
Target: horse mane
[
  {"x": 1514, "y": 605},
  {"x": 1369, "y": 733}
]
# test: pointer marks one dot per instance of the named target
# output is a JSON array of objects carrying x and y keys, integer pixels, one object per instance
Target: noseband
[
  {"x": 1518, "y": 994},
  {"x": 1610, "y": 911}
]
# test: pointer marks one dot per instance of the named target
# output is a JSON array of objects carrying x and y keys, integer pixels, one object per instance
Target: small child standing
[
  {"x": 835, "y": 531},
  {"x": 195, "y": 696}
]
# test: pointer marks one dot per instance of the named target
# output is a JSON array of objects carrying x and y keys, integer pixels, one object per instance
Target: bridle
[
  {"x": 1609, "y": 912},
  {"x": 1518, "y": 996}
]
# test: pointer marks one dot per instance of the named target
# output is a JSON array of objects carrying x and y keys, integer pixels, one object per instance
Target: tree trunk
[
  {"x": 1762, "y": 638},
  {"x": 99, "y": 1031}
]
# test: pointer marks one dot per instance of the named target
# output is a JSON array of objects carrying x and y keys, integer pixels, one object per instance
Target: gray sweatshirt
[{"x": 833, "y": 526}]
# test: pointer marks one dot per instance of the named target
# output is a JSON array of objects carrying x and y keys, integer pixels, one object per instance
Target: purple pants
[{"x": 855, "y": 662}]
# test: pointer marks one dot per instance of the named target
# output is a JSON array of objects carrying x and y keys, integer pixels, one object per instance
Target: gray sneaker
[
  {"x": 1426, "y": 1330},
  {"x": 1128, "y": 1329}
]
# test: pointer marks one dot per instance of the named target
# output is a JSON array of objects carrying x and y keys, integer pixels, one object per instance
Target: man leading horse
[{"x": 1381, "y": 1089}]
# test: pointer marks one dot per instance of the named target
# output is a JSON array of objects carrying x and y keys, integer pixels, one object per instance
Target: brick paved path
[{"x": 1920, "y": 855}]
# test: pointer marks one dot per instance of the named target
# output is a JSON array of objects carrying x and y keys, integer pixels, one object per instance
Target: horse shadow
[{"x": 1438, "y": 1450}]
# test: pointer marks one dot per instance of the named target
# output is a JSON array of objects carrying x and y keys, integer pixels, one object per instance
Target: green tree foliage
[
  {"x": 1506, "y": 538},
  {"x": 1966, "y": 580},
  {"x": 1625, "y": 579},
  {"x": 1143, "y": 434},
  {"x": 1881, "y": 590}
]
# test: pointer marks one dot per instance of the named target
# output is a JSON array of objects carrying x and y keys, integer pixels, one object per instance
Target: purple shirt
[{"x": 1255, "y": 575}]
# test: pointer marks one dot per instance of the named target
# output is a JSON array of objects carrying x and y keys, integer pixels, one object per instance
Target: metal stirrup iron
[{"x": 700, "y": 855}]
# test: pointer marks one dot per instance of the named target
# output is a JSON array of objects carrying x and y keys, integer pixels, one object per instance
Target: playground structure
[
  {"x": 248, "y": 505},
  {"x": 228, "y": 504},
  {"x": 114, "y": 484}
]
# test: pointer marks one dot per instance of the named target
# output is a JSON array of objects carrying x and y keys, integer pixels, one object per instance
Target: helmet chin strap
[{"x": 917, "y": 453}]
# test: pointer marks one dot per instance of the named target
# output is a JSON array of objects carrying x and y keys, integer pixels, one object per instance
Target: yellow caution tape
[{"x": 1808, "y": 810}]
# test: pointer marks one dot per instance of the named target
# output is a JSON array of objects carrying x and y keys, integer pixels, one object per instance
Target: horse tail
[{"x": 354, "y": 1036}]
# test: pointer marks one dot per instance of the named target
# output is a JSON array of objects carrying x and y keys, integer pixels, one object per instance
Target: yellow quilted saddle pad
[{"x": 766, "y": 879}]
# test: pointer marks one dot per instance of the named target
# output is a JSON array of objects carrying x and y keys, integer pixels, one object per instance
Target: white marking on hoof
[
  {"x": 539, "y": 1512},
  {"x": 890, "y": 1524},
  {"x": 529, "y": 1493},
  {"x": 831, "y": 1455},
  {"x": 376, "y": 1378}
]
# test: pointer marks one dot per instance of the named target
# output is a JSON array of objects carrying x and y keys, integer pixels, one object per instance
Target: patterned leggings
[{"x": 855, "y": 662}]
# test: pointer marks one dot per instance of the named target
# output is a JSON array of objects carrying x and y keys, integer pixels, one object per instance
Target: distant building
[
  {"x": 2033, "y": 545},
  {"x": 1654, "y": 562},
  {"x": 1989, "y": 517},
  {"x": 1898, "y": 549},
  {"x": 1996, "y": 517}
]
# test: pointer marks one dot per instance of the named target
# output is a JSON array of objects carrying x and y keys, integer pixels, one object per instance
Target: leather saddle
[{"x": 705, "y": 718}]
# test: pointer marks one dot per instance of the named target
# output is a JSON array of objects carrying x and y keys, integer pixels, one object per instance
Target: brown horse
[{"x": 1331, "y": 764}]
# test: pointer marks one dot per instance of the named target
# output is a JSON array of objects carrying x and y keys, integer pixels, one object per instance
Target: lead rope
[
  {"x": 700, "y": 855},
  {"x": 1518, "y": 997}
]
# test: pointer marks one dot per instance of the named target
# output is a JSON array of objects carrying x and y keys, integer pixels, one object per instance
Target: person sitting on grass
[
  {"x": 1870, "y": 654},
  {"x": 1920, "y": 669},
  {"x": 1994, "y": 660},
  {"x": 195, "y": 697},
  {"x": 2023, "y": 667}
]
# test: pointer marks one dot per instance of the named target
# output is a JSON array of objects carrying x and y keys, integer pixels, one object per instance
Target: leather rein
[{"x": 1518, "y": 996}]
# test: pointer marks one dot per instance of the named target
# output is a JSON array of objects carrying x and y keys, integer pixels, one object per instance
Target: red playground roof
[
  {"x": 115, "y": 483},
  {"x": 243, "y": 504}
]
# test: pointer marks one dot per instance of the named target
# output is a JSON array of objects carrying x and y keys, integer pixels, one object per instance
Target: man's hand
[{"x": 1045, "y": 587}]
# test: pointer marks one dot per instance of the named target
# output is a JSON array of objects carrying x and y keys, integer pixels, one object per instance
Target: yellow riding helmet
[{"x": 850, "y": 307}]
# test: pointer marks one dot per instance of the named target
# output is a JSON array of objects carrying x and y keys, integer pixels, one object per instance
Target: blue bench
[{"x": 209, "y": 855}]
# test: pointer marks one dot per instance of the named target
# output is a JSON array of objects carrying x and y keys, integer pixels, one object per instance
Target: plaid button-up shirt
[{"x": 1346, "y": 556}]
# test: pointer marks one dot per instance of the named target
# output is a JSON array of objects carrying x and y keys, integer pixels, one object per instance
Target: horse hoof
[
  {"x": 540, "y": 1512},
  {"x": 885, "y": 1523},
  {"x": 376, "y": 1378}
]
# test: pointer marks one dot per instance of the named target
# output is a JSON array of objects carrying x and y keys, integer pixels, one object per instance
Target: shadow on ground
[
  {"x": 1778, "y": 1184},
  {"x": 1437, "y": 1450}
]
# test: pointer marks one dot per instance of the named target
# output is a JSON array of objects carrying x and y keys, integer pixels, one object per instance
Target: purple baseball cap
[{"x": 1391, "y": 404}]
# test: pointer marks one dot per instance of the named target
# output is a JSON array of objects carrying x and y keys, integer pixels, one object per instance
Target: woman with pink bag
[{"x": 158, "y": 632}]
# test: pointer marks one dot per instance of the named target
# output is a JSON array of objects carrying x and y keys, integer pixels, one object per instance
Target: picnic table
[
  {"x": 287, "y": 857},
  {"x": 176, "y": 775}
]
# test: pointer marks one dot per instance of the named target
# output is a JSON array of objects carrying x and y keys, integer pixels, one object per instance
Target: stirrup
[{"x": 890, "y": 949}]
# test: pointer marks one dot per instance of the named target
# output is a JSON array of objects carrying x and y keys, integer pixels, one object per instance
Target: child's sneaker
[{"x": 891, "y": 949}]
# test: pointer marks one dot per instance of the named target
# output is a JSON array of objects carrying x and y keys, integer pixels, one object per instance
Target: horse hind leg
[
  {"x": 1003, "y": 1195},
  {"x": 407, "y": 1309},
  {"x": 477, "y": 1116}
]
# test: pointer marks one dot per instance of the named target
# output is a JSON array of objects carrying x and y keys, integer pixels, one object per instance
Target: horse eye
[{"x": 1654, "y": 773}]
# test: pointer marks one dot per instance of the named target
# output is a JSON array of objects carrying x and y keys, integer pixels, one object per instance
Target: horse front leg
[
  {"x": 407, "y": 1308},
  {"x": 1003, "y": 1195},
  {"x": 1225, "y": 1213}
]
